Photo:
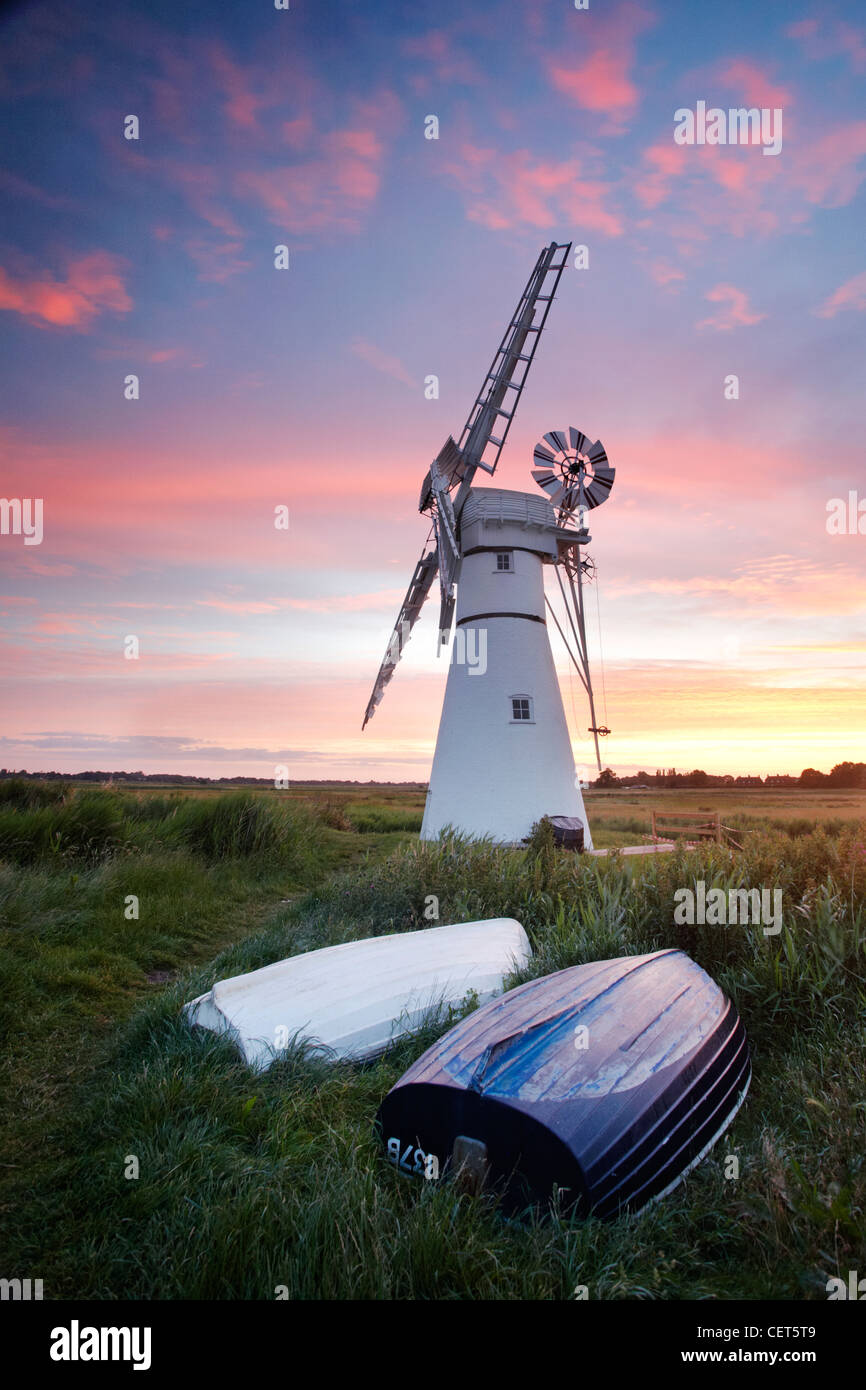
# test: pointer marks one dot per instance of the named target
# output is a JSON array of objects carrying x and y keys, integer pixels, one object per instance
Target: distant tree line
[
  {"x": 843, "y": 775},
  {"x": 181, "y": 779}
]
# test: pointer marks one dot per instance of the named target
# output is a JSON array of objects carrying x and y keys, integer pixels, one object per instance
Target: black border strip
[{"x": 476, "y": 617}]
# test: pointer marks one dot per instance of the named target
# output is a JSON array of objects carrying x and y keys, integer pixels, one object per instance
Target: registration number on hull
[{"x": 412, "y": 1160}]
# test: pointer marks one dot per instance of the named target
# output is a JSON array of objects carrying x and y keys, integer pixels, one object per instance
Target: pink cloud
[
  {"x": 850, "y": 295},
  {"x": 47, "y": 571},
  {"x": 830, "y": 38},
  {"x": 508, "y": 190},
  {"x": 200, "y": 186},
  {"x": 384, "y": 600},
  {"x": 668, "y": 476},
  {"x": 334, "y": 184},
  {"x": 664, "y": 274},
  {"x": 784, "y": 584},
  {"x": 382, "y": 361},
  {"x": 711, "y": 188},
  {"x": 246, "y": 606},
  {"x": 736, "y": 312},
  {"x": 93, "y": 284},
  {"x": 241, "y": 104},
  {"x": 691, "y": 170},
  {"x": 601, "y": 83},
  {"x": 177, "y": 83},
  {"x": 134, "y": 350},
  {"x": 20, "y": 188},
  {"x": 165, "y": 355},
  {"x": 827, "y": 170},
  {"x": 57, "y": 627},
  {"x": 298, "y": 133},
  {"x": 438, "y": 48},
  {"x": 183, "y": 499},
  {"x": 760, "y": 195},
  {"x": 703, "y": 188},
  {"x": 731, "y": 173},
  {"x": 666, "y": 162},
  {"x": 332, "y": 190},
  {"x": 217, "y": 261},
  {"x": 746, "y": 78},
  {"x": 192, "y": 79},
  {"x": 802, "y": 29},
  {"x": 381, "y": 111},
  {"x": 306, "y": 178}
]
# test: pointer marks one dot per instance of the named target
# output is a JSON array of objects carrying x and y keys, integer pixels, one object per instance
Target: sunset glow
[{"x": 732, "y": 622}]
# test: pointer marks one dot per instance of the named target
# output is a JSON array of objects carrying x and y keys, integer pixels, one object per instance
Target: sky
[{"x": 728, "y": 626}]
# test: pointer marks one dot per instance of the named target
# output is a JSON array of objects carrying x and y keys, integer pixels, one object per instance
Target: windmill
[{"x": 503, "y": 754}]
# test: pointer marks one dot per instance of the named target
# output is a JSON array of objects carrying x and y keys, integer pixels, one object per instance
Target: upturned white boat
[{"x": 355, "y": 999}]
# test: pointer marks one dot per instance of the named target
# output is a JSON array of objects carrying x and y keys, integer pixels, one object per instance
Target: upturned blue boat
[{"x": 601, "y": 1086}]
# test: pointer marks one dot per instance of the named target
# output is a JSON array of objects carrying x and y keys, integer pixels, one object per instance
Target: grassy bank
[
  {"x": 247, "y": 1184},
  {"x": 105, "y": 897}
]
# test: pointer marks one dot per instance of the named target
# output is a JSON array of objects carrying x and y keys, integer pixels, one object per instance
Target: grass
[
  {"x": 623, "y": 816},
  {"x": 249, "y": 1184}
]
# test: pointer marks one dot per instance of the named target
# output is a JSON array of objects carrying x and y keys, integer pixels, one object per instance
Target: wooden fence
[{"x": 694, "y": 826}]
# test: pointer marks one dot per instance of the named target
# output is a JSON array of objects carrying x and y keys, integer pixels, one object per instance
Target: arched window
[{"x": 521, "y": 709}]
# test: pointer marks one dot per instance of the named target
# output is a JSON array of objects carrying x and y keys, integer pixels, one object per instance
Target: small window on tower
[
  {"x": 521, "y": 709},
  {"x": 504, "y": 561}
]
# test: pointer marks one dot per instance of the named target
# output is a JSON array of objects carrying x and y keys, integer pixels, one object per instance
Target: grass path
[{"x": 74, "y": 967}]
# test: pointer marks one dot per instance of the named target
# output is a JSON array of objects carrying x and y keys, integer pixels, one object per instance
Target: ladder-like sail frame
[
  {"x": 419, "y": 588},
  {"x": 457, "y": 463}
]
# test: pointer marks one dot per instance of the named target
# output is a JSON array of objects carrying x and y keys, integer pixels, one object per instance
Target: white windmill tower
[{"x": 503, "y": 754}]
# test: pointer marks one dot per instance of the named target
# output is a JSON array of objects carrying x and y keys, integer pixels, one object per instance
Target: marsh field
[{"x": 252, "y": 1183}]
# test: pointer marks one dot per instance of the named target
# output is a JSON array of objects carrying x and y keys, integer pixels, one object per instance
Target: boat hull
[
  {"x": 353, "y": 1000},
  {"x": 600, "y": 1086}
]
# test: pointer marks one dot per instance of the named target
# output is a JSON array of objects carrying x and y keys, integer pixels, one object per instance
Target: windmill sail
[
  {"x": 419, "y": 588},
  {"x": 450, "y": 466},
  {"x": 445, "y": 527},
  {"x": 486, "y": 429}
]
